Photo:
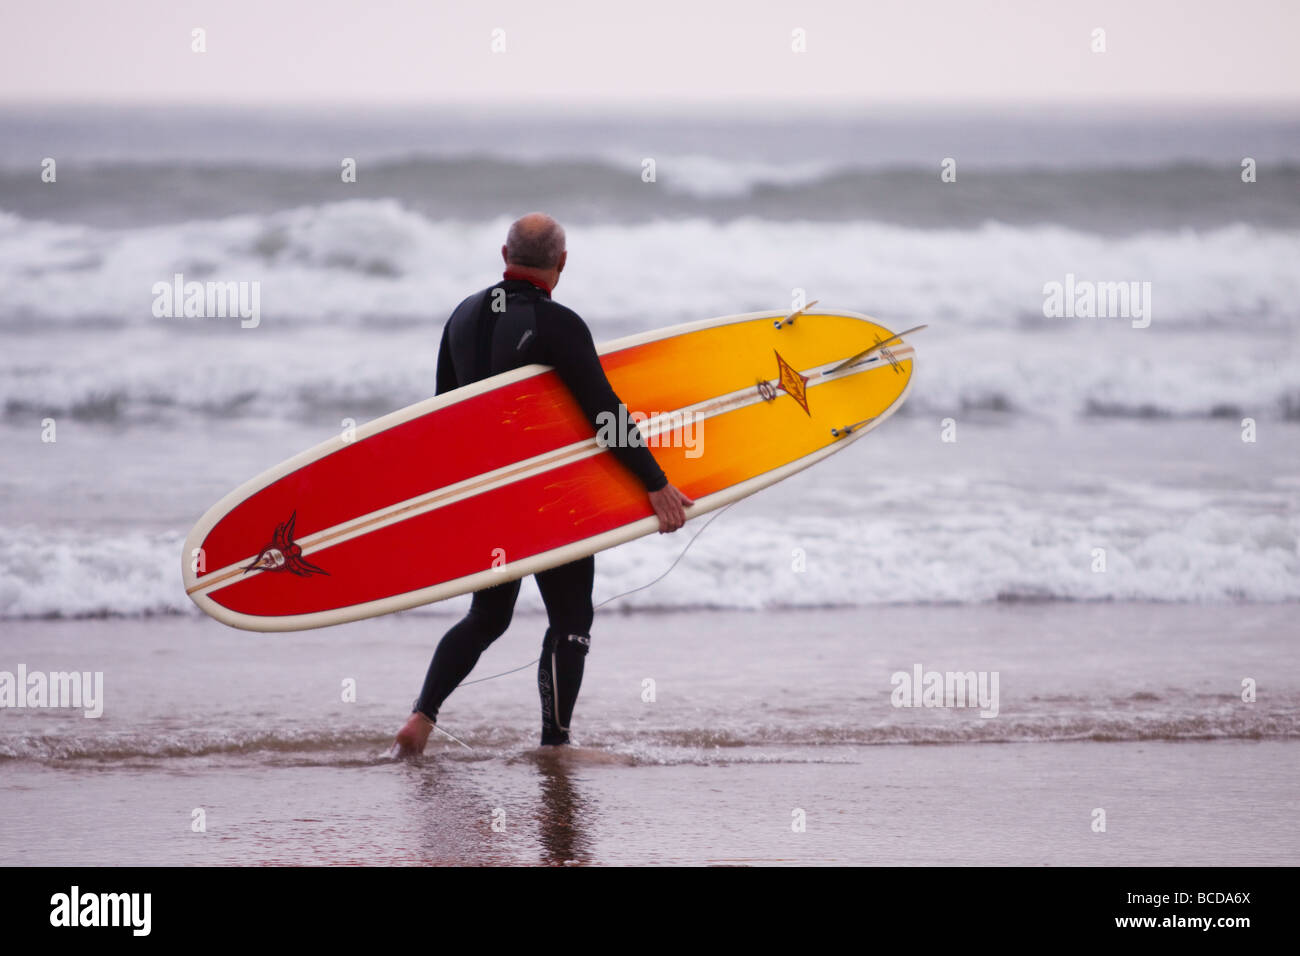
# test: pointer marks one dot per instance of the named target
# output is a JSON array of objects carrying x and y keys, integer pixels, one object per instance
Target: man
[{"x": 482, "y": 339}]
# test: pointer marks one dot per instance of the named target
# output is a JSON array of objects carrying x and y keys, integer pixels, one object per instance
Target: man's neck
[{"x": 538, "y": 277}]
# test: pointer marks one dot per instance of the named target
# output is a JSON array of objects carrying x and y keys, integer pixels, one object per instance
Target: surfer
[{"x": 506, "y": 326}]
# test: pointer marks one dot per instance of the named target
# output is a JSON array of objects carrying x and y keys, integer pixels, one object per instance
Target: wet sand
[{"x": 1128, "y": 708}]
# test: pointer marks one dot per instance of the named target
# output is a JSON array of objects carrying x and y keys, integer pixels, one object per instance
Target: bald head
[{"x": 535, "y": 241}]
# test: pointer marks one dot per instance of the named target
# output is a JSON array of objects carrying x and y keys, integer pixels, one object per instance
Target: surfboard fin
[
  {"x": 850, "y": 429},
  {"x": 897, "y": 336},
  {"x": 789, "y": 319}
]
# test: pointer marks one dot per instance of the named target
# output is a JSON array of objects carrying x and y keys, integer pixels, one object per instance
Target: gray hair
[{"x": 535, "y": 240}]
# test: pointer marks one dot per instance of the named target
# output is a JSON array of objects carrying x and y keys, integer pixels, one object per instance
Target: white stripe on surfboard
[{"x": 663, "y": 423}]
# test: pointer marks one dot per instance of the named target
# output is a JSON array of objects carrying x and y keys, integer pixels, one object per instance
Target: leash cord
[{"x": 713, "y": 517}]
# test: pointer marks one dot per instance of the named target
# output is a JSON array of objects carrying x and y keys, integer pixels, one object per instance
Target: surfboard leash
[
  {"x": 717, "y": 514},
  {"x": 713, "y": 517}
]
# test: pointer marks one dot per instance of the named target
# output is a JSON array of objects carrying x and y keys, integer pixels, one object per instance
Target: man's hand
[{"x": 670, "y": 507}]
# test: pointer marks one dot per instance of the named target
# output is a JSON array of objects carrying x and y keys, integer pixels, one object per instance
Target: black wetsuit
[{"x": 492, "y": 332}]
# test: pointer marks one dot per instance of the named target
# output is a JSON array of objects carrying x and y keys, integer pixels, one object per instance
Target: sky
[{"x": 660, "y": 53}]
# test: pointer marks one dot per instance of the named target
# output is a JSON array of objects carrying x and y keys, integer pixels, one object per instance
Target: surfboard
[{"x": 506, "y": 477}]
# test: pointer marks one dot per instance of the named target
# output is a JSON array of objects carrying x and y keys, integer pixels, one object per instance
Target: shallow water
[{"x": 1132, "y": 708}]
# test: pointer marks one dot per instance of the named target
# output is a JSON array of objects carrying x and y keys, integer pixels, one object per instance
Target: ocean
[{"x": 1101, "y": 509}]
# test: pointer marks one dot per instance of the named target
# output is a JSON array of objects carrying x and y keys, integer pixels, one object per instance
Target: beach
[{"x": 1134, "y": 709}]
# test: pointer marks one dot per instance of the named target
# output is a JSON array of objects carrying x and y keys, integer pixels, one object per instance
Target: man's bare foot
[{"x": 412, "y": 738}]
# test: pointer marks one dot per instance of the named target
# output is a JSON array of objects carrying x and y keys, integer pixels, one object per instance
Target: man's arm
[
  {"x": 446, "y": 370},
  {"x": 571, "y": 350}
]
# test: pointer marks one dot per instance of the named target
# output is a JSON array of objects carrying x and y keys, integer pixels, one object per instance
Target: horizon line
[{"x": 647, "y": 106}]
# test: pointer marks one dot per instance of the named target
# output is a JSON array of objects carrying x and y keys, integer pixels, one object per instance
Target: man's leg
[
  {"x": 566, "y": 591},
  {"x": 458, "y": 651}
]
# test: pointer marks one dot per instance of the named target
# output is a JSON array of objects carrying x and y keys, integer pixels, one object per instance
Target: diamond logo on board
[{"x": 792, "y": 383}]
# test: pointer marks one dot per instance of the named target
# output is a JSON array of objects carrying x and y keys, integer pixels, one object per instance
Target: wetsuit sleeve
[
  {"x": 571, "y": 350},
  {"x": 446, "y": 370}
]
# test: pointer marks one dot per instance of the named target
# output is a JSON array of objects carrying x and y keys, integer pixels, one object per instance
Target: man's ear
[
  {"x": 564, "y": 257},
  {"x": 504, "y": 258}
]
